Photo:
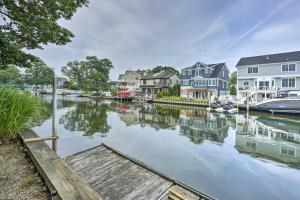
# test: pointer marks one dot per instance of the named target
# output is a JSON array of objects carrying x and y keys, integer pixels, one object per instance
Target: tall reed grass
[{"x": 17, "y": 110}]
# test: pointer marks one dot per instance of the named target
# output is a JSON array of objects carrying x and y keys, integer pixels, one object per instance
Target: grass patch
[
  {"x": 29, "y": 180},
  {"x": 17, "y": 110}
]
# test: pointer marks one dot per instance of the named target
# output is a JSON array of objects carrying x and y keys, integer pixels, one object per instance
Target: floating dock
[{"x": 115, "y": 176}]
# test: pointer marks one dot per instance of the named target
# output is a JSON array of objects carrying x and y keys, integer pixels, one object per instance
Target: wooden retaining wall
[
  {"x": 62, "y": 181},
  {"x": 180, "y": 102}
]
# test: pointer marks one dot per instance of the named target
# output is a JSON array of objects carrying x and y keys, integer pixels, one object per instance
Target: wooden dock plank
[
  {"x": 56, "y": 173},
  {"x": 115, "y": 176},
  {"x": 153, "y": 188},
  {"x": 123, "y": 183}
]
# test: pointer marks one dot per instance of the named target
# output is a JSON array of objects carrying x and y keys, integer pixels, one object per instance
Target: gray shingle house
[
  {"x": 158, "y": 82},
  {"x": 202, "y": 80},
  {"x": 264, "y": 76}
]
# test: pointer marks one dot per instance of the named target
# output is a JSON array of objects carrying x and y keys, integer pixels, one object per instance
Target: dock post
[{"x": 54, "y": 126}]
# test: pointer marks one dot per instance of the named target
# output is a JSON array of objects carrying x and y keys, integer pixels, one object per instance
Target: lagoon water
[{"x": 240, "y": 156}]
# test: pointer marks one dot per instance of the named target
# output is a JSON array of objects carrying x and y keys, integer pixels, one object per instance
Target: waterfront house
[
  {"x": 158, "y": 82},
  {"x": 131, "y": 79},
  {"x": 202, "y": 80},
  {"x": 261, "y": 77}
]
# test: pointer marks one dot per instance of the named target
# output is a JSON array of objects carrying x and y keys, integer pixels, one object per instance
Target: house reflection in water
[
  {"x": 148, "y": 115},
  {"x": 200, "y": 125},
  {"x": 255, "y": 136}
]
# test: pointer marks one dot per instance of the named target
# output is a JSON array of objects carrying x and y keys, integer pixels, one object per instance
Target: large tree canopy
[
  {"x": 90, "y": 74},
  {"x": 31, "y": 24},
  {"x": 39, "y": 74},
  {"x": 158, "y": 69},
  {"x": 10, "y": 76}
]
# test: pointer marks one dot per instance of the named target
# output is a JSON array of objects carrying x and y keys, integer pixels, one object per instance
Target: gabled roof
[
  {"x": 217, "y": 69},
  {"x": 271, "y": 58},
  {"x": 160, "y": 75}
]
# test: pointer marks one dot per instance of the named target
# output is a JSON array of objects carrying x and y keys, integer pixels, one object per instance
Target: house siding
[
  {"x": 206, "y": 73},
  {"x": 267, "y": 70}
]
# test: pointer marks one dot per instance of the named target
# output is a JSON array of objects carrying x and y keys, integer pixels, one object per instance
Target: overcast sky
[{"x": 140, "y": 34}]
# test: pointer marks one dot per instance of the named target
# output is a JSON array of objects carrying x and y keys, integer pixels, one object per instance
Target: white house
[{"x": 261, "y": 77}]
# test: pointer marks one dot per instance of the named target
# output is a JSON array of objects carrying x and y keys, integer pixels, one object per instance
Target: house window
[
  {"x": 288, "y": 82},
  {"x": 246, "y": 83},
  {"x": 252, "y": 70},
  {"x": 190, "y": 72},
  {"x": 288, "y": 68},
  {"x": 223, "y": 73},
  {"x": 213, "y": 82},
  {"x": 202, "y": 72},
  {"x": 273, "y": 83}
]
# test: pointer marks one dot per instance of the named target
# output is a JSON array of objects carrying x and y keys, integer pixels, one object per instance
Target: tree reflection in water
[{"x": 88, "y": 117}]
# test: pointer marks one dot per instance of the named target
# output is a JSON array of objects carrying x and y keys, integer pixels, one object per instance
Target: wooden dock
[{"x": 115, "y": 176}]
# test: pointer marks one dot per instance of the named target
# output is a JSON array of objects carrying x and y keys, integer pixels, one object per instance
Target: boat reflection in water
[{"x": 269, "y": 138}]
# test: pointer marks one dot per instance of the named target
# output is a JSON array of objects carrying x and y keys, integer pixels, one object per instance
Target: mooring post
[{"x": 54, "y": 125}]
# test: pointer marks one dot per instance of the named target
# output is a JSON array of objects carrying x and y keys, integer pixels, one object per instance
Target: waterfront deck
[{"x": 114, "y": 176}]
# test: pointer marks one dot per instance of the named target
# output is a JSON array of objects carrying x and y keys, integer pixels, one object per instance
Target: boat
[
  {"x": 285, "y": 102},
  {"x": 228, "y": 106},
  {"x": 215, "y": 106}
]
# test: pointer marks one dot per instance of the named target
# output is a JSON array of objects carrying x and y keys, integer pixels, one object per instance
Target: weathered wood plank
[
  {"x": 116, "y": 176},
  {"x": 123, "y": 183},
  {"x": 56, "y": 173},
  {"x": 180, "y": 193},
  {"x": 152, "y": 189}
]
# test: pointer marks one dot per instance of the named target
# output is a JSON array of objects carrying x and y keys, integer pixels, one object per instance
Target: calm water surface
[{"x": 226, "y": 156}]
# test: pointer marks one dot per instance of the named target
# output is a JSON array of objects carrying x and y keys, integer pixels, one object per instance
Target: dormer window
[{"x": 288, "y": 67}]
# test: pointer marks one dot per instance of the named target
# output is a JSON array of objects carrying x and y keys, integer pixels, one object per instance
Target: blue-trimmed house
[{"x": 202, "y": 80}]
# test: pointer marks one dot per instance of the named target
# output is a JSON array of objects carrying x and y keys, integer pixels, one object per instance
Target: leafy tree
[
  {"x": 31, "y": 24},
  {"x": 98, "y": 73},
  {"x": 10, "y": 75},
  {"x": 91, "y": 74},
  {"x": 232, "y": 83},
  {"x": 172, "y": 91},
  {"x": 158, "y": 69},
  {"x": 39, "y": 74},
  {"x": 76, "y": 72},
  {"x": 233, "y": 78},
  {"x": 232, "y": 90}
]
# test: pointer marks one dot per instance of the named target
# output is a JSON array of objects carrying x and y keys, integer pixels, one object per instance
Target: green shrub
[{"x": 17, "y": 110}]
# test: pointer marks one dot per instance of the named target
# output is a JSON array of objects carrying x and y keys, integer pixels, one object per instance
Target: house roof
[
  {"x": 160, "y": 75},
  {"x": 270, "y": 58},
  {"x": 218, "y": 68}
]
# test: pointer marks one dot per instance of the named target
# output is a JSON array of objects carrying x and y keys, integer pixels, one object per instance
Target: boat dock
[
  {"x": 103, "y": 173},
  {"x": 114, "y": 176}
]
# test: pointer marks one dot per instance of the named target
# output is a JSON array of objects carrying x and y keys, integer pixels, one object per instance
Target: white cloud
[{"x": 141, "y": 34}]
